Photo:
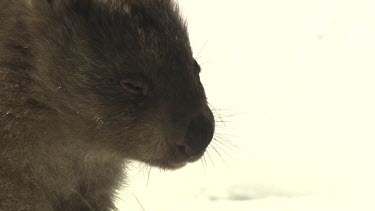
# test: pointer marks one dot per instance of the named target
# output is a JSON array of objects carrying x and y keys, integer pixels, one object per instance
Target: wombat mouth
[{"x": 175, "y": 161}]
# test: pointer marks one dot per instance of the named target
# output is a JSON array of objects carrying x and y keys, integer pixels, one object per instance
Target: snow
[
  {"x": 321, "y": 203},
  {"x": 293, "y": 82}
]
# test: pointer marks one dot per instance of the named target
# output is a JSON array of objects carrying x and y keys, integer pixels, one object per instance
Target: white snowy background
[{"x": 294, "y": 83}]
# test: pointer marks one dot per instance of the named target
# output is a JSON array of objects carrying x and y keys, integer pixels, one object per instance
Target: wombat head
[{"x": 126, "y": 66}]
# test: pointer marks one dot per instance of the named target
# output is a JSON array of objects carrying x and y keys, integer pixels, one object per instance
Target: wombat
[{"x": 87, "y": 86}]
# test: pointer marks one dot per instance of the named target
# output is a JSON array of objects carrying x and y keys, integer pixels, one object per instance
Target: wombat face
[{"x": 126, "y": 67}]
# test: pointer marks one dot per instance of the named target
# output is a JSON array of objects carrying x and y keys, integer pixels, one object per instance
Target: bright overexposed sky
[{"x": 294, "y": 83}]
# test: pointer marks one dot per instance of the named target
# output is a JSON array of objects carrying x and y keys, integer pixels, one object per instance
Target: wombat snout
[{"x": 198, "y": 136}]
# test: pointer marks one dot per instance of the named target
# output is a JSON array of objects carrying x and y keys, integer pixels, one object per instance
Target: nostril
[
  {"x": 199, "y": 134},
  {"x": 185, "y": 150},
  {"x": 181, "y": 148}
]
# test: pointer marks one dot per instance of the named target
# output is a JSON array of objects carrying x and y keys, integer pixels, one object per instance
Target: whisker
[
  {"x": 200, "y": 51},
  {"x": 209, "y": 157},
  {"x": 201, "y": 161},
  {"x": 148, "y": 175},
  {"x": 140, "y": 170},
  {"x": 225, "y": 134},
  {"x": 205, "y": 162},
  {"x": 139, "y": 202},
  {"x": 221, "y": 157},
  {"x": 224, "y": 151},
  {"x": 213, "y": 147},
  {"x": 225, "y": 143}
]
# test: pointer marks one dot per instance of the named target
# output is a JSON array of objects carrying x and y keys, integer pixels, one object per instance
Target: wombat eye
[{"x": 134, "y": 87}]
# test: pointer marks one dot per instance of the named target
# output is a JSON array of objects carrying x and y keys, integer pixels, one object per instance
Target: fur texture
[{"x": 72, "y": 112}]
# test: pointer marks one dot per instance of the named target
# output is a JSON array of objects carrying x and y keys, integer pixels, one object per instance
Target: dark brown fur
[{"x": 67, "y": 126}]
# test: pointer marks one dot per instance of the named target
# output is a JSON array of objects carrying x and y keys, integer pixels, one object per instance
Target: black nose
[{"x": 199, "y": 134}]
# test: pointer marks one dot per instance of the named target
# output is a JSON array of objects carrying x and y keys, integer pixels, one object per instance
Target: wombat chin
[{"x": 173, "y": 163}]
